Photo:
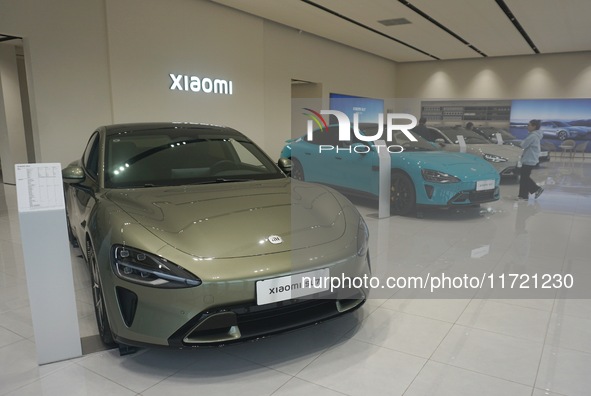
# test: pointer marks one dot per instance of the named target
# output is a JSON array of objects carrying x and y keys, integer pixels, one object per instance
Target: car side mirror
[
  {"x": 285, "y": 165},
  {"x": 73, "y": 174}
]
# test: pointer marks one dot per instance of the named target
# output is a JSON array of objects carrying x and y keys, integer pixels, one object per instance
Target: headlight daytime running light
[
  {"x": 362, "y": 238},
  {"x": 146, "y": 269},
  {"x": 438, "y": 177},
  {"x": 494, "y": 158}
]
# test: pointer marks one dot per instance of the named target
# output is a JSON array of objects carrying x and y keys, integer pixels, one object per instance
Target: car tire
[
  {"x": 98, "y": 298},
  {"x": 562, "y": 135},
  {"x": 297, "y": 171},
  {"x": 402, "y": 194}
]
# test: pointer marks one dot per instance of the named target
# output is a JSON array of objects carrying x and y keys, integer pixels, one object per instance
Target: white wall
[
  {"x": 102, "y": 61},
  {"x": 12, "y": 132},
  {"x": 67, "y": 71},
  {"x": 518, "y": 77},
  {"x": 149, "y": 39},
  {"x": 290, "y": 53}
]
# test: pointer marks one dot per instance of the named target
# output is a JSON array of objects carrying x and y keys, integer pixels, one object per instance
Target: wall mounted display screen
[
  {"x": 367, "y": 108},
  {"x": 562, "y": 119}
]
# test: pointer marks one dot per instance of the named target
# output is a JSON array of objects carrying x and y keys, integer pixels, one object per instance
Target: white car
[{"x": 503, "y": 157}]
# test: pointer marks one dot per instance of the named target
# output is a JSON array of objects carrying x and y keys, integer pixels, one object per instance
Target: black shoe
[{"x": 539, "y": 192}]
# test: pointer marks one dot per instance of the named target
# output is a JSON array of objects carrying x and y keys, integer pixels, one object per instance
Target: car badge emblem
[{"x": 275, "y": 239}]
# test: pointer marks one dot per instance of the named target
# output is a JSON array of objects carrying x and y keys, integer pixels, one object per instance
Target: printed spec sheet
[{"x": 39, "y": 187}]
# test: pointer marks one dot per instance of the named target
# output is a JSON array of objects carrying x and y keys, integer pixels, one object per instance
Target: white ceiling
[{"x": 438, "y": 29}]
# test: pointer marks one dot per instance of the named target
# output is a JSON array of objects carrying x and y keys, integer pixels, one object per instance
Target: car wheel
[
  {"x": 297, "y": 172},
  {"x": 402, "y": 194},
  {"x": 562, "y": 135},
  {"x": 98, "y": 298}
]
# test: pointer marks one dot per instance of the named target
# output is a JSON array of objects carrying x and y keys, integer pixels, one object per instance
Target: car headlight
[
  {"x": 362, "y": 238},
  {"x": 438, "y": 177},
  {"x": 494, "y": 158},
  {"x": 136, "y": 266}
]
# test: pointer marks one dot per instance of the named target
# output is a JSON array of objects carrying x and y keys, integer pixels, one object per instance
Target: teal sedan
[{"x": 421, "y": 174}]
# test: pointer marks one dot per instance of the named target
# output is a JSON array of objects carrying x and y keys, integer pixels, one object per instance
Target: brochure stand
[
  {"x": 48, "y": 265},
  {"x": 499, "y": 138},
  {"x": 385, "y": 180},
  {"x": 462, "y": 143}
]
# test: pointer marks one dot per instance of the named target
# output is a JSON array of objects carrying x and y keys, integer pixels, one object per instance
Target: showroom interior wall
[
  {"x": 545, "y": 76},
  {"x": 102, "y": 61},
  {"x": 148, "y": 40},
  {"x": 12, "y": 133},
  {"x": 108, "y": 61},
  {"x": 67, "y": 71}
]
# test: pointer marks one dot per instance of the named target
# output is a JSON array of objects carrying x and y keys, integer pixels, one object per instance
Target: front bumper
[
  {"x": 456, "y": 194},
  {"x": 474, "y": 197},
  {"x": 217, "y": 313},
  {"x": 226, "y": 325}
]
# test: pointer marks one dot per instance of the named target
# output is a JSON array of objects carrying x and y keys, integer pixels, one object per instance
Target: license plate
[
  {"x": 292, "y": 286},
  {"x": 482, "y": 185},
  {"x": 543, "y": 154}
]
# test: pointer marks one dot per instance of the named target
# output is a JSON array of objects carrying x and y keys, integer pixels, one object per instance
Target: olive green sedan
[{"x": 195, "y": 237}]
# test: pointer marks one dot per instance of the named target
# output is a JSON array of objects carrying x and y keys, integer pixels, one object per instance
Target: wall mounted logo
[
  {"x": 345, "y": 125},
  {"x": 182, "y": 82},
  {"x": 317, "y": 118},
  {"x": 345, "y": 128}
]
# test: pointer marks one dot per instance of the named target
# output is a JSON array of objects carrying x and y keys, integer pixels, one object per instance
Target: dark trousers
[{"x": 526, "y": 184}]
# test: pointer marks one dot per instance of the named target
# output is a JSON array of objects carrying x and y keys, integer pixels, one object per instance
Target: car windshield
[
  {"x": 399, "y": 138},
  {"x": 469, "y": 136},
  {"x": 491, "y": 132},
  {"x": 167, "y": 157}
]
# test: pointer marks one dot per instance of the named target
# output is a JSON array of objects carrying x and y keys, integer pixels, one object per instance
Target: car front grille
[
  {"x": 225, "y": 325},
  {"x": 474, "y": 197},
  {"x": 482, "y": 196}
]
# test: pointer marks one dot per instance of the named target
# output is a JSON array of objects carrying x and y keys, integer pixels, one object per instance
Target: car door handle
[{"x": 339, "y": 158}]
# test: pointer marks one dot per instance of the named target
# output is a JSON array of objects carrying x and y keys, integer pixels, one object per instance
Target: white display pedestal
[
  {"x": 462, "y": 143},
  {"x": 499, "y": 138},
  {"x": 47, "y": 261},
  {"x": 385, "y": 175}
]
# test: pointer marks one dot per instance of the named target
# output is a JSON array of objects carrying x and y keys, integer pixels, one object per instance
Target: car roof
[{"x": 143, "y": 126}]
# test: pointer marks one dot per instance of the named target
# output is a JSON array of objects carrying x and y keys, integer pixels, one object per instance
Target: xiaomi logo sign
[{"x": 181, "y": 82}]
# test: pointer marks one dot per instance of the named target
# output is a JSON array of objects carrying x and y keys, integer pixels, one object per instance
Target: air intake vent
[{"x": 394, "y": 22}]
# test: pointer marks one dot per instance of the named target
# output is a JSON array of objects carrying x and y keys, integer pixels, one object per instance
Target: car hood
[
  {"x": 236, "y": 219},
  {"x": 467, "y": 167}
]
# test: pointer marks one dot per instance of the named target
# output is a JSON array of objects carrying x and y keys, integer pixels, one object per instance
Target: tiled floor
[{"x": 402, "y": 342}]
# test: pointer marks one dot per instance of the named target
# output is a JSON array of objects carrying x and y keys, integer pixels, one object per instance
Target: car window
[
  {"x": 157, "y": 158},
  {"x": 91, "y": 156},
  {"x": 469, "y": 136},
  {"x": 430, "y": 134}
]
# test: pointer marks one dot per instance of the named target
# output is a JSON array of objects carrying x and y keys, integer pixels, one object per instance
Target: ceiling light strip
[
  {"x": 439, "y": 25},
  {"x": 515, "y": 22},
  {"x": 367, "y": 27}
]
